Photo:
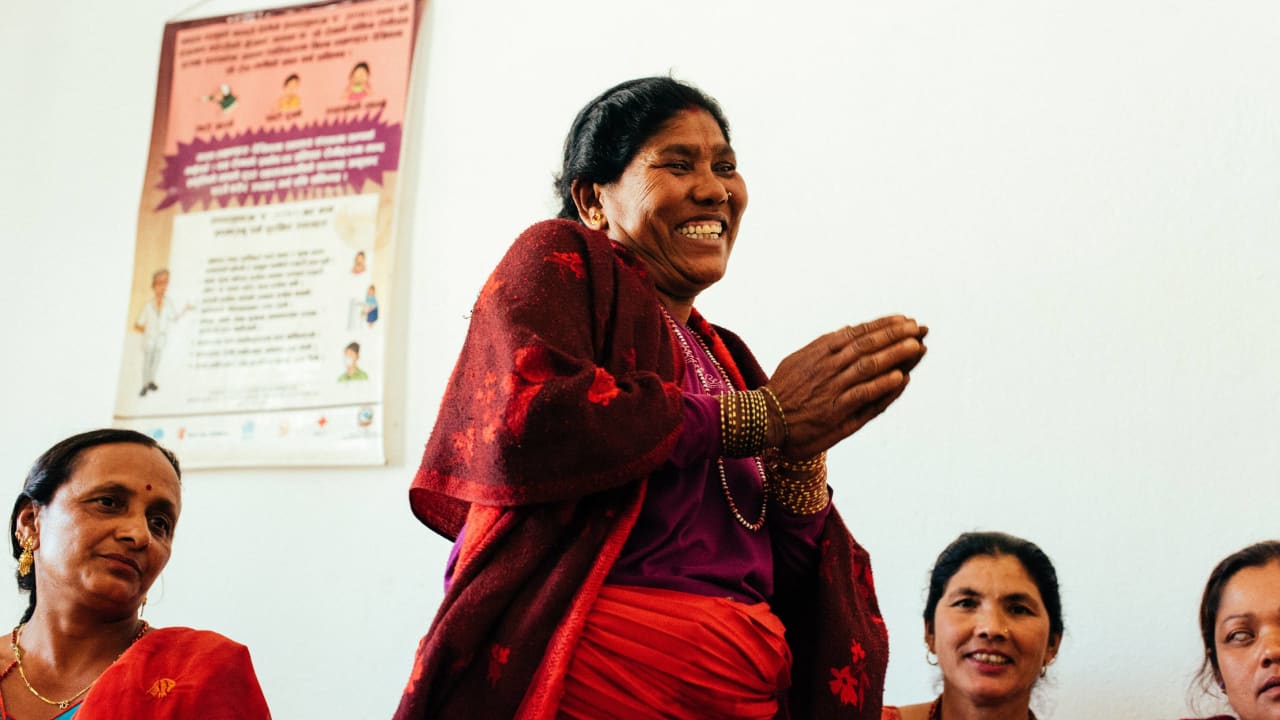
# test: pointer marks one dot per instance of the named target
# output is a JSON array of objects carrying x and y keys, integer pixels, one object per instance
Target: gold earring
[
  {"x": 929, "y": 653},
  {"x": 26, "y": 559},
  {"x": 143, "y": 607},
  {"x": 595, "y": 218}
]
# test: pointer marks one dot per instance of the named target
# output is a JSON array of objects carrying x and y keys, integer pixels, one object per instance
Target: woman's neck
[
  {"x": 958, "y": 706},
  {"x": 680, "y": 308},
  {"x": 69, "y": 641}
]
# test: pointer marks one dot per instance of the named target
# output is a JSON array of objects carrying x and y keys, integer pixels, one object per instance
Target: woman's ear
[
  {"x": 1051, "y": 652},
  {"x": 28, "y": 521},
  {"x": 928, "y": 637},
  {"x": 586, "y": 196}
]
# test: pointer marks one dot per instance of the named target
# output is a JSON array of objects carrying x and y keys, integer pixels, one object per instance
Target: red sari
[
  {"x": 178, "y": 673},
  {"x": 565, "y": 398}
]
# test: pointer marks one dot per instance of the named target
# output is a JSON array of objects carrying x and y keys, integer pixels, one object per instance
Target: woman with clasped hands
[
  {"x": 92, "y": 529},
  {"x": 641, "y": 514}
]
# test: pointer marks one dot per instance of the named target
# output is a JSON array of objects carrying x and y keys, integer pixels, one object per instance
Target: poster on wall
[{"x": 256, "y": 330}]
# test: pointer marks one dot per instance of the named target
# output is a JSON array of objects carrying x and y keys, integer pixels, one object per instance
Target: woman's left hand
[{"x": 836, "y": 384}]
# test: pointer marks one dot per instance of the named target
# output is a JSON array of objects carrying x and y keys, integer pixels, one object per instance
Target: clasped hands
[{"x": 833, "y": 386}]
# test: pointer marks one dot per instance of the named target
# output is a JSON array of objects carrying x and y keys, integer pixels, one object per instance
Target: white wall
[{"x": 1079, "y": 198}]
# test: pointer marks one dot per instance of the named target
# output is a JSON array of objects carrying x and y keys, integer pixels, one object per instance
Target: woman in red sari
[
  {"x": 641, "y": 515},
  {"x": 1240, "y": 629},
  {"x": 92, "y": 529}
]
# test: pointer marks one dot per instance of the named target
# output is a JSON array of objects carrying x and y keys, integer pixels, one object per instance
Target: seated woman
[
  {"x": 92, "y": 529},
  {"x": 993, "y": 618},
  {"x": 1240, "y": 629},
  {"x": 641, "y": 514}
]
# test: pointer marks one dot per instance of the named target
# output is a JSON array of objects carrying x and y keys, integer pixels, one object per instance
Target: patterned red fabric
[
  {"x": 178, "y": 673},
  {"x": 564, "y": 399}
]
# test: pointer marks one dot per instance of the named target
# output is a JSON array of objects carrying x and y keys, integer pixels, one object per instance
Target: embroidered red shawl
[
  {"x": 564, "y": 399},
  {"x": 178, "y": 673}
]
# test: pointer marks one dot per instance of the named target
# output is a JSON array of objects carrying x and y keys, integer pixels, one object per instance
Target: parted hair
[{"x": 611, "y": 129}]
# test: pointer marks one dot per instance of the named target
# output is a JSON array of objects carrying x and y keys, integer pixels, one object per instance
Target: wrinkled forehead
[{"x": 688, "y": 129}]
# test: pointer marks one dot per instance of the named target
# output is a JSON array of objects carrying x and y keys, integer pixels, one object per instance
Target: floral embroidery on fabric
[
  {"x": 498, "y": 656},
  {"x": 161, "y": 688},
  {"x": 464, "y": 443},
  {"x": 533, "y": 368},
  {"x": 569, "y": 260},
  {"x": 849, "y": 683},
  {"x": 603, "y": 388}
]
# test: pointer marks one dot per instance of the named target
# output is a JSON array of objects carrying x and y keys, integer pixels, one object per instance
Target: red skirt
[{"x": 648, "y": 653}]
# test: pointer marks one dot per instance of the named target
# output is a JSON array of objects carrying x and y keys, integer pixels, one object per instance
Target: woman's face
[
  {"x": 108, "y": 531},
  {"x": 1247, "y": 640},
  {"x": 991, "y": 632},
  {"x": 678, "y": 204}
]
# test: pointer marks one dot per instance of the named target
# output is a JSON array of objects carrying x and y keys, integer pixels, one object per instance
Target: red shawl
[
  {"x": 565, "y": 398},
  {"x": 178, "y": 673}
]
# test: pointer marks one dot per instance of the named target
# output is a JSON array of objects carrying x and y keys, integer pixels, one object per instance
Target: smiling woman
[
  {"x": 993, "y": 619},
  {"x": 641, "y": 520},
  {"x": 92, "y": 529}
]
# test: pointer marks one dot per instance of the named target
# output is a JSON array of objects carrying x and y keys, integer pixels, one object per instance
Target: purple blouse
[{"x": 686, "y": 537}]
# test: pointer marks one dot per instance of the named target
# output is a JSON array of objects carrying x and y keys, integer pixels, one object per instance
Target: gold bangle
[
  {"x": 806, "y": 465},
  {"x": 802, "y": 496},
  {"x": 786, "y": 429},
  {"x": 744, "y": 418}
]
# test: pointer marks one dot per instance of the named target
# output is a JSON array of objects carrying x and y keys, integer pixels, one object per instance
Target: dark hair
[
  {"x": 608, "y": 132},
  {"x": 156, "y": 275},
  {"x": 54, "y": 468},
  {"x": 1256, "y": 555},
  {"x": 354, "y": 347},
  {"x": 359, "y": 65},
  {"x": 292, "y": 77},
  {"x": 1033, "y": 560}
]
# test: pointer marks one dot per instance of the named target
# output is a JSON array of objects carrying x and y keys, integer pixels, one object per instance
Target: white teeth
[
  {"x": 702, "y": 230},
  {"x": 990, "y": 659}
]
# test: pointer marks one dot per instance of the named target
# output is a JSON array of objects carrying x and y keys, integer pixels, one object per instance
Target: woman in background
[
  {"x": 92, "y": 529},
  {"x": 993, "y": 619},
  {"x": 1240, "y": 629}
]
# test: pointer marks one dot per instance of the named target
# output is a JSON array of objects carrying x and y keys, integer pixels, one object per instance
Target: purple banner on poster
[{"x": 274, "y": 164}]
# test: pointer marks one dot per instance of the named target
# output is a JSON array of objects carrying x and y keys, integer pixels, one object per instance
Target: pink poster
[{"x": 265, "y": 249}]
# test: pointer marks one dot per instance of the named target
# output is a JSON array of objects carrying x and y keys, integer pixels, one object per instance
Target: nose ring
[{"x": 728, "y": 196}]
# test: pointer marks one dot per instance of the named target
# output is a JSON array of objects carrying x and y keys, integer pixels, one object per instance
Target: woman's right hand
[{"x": 836, "y": 384}]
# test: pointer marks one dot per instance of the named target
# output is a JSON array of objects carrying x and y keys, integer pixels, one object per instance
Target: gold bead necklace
[
  {"x": 15, "y": 645},
  {"x": 722, "y": 381}
]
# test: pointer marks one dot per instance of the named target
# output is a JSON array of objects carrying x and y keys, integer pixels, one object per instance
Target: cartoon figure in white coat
[{"x": 154, "y": 323}]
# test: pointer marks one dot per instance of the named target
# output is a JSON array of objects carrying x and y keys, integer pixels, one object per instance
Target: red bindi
[{"x": 148, "y": 486}]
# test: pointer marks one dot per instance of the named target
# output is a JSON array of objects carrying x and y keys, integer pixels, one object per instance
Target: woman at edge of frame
[{"x": 91, "y": 530}]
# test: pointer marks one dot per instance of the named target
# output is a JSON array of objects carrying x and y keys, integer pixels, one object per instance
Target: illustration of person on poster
[
  {"x": 257, "y": 198},
  {"x": 154, "y": 322}
]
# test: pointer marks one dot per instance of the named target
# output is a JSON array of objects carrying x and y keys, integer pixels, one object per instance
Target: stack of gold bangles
[
  {"x": 744, "y": 419},
  {"x": 799, "y": 486}
]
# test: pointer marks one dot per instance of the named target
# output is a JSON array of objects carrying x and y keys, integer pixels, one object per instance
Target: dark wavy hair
[
  {"x": 1033, "y": 560},
  {"x": 54, "y": 468},
  {"x": 1256, "y": 555},
  {"x": 608, "y": 132}
]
